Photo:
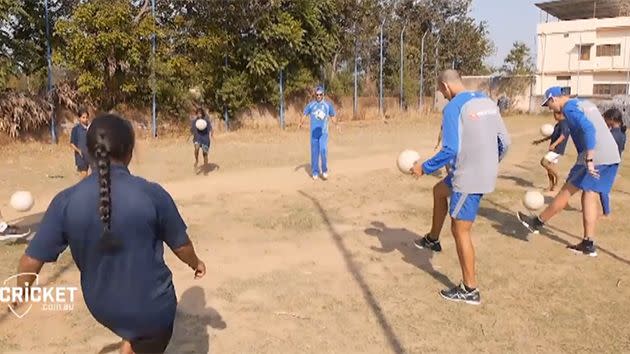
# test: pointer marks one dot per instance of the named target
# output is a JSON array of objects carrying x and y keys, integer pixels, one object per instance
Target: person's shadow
[
  {"x": 306, "y": 167},
  {"x": 206, "y": 169},
  {"x": 190, "y": 334},
  {"x": 401, "y": 240}
]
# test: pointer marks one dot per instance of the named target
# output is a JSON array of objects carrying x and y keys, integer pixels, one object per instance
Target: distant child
[
  {"x": 201, "y": 138},
  {"x": 559, "y": 139},
  {"x": 78, "y": 143},
  {"x": 614, "y": 120},
  {"x": 116, "y": 225}
]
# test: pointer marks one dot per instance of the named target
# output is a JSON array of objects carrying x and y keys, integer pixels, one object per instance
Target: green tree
[
  {"x": 108, "y": 51},
  {"x": 519, "y": 60}
]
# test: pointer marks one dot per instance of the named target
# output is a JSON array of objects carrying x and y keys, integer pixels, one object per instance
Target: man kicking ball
[
  {"x": 320, "y": 112},
  {"x": 474, "y": 141},
  {"x": 594, "y": 171}
]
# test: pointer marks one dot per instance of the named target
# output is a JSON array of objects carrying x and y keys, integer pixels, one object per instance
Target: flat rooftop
[{"x": 567, "y": 10}]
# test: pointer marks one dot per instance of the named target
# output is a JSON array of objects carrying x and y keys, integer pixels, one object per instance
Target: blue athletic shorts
[
  {"x": 462, "y": 206},
  {"x": 205, "y": 148},
  {"x": 580, "y": 178}
]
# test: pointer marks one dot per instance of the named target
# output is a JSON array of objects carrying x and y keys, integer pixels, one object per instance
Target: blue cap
[
  {"x": 554, "y": 91},
  {"x": 319, "y": 90}
]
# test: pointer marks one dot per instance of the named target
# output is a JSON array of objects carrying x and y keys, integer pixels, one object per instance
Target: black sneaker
[
  {"x": 460, "y": 294},
  {"x": 13, "y": 232},
  {"x": 426, "y": 242},
  {"x": 532, "y": 223},
  {"x": 586, "y": 247}
]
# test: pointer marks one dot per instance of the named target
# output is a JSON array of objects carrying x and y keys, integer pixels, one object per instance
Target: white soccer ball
[
  {"x": 546, "y": 130},
  {"x": 320, "y": 115},
  {"x": 406, "y": 159},
  {"x": 534, "y": 200},
  {"x": 201, "y": 124},
  {"x": 22, "y": 201}
]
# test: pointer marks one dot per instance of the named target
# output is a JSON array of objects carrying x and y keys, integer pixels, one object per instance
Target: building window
[
  {"x": 609, "y": 50},
  {"x": 563, "y": 78},
  {"x": 610, "y": 89},
  {"x": 585, "y": 52}
]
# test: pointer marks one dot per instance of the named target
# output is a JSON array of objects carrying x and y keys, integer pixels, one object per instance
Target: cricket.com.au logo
[{"x": 53, "y": 298}]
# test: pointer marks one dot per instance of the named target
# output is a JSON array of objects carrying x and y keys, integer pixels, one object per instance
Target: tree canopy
[{"x": 232, "y": 50}]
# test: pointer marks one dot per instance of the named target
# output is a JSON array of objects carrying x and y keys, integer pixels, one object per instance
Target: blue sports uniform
[
  {"x": 131, "y": 291},
  {"x": 319, "y": 114},
  {"x": 561, "y": 129},
  {"x": 78, "y": 137},
  {"x": 202, "y": 137},
  {"x": 474, "y": 141},
  {"x": 620, "y": 138},
  {"x": 589, "y": 132}
]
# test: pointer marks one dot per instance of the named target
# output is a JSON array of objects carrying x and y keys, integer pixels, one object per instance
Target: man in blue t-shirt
[
  {"x": 557, "y": 147},
  {"x": 320, "y": 112},
  {"x": 474, "y": 141},
  {"x": 594, "y": 171}
]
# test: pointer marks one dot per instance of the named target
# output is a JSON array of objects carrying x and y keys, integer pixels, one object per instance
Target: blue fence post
[
  {"x": 226, "y": 117},
  {"x": 281, "y": 84},
  {"x": 153, "y": 78},
  {"x": 421, "y": 98},
  {"x": 380, "y": 100},
  {"x": 53, "y": 131}
]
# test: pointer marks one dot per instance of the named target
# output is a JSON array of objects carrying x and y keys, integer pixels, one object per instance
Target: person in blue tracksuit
[
  {"x": 116, "y": 225},
  {"x": 320, "y": 112},
  {"x": 474, "y": 141},
  {"x": 614, "y": 121},
  {"x": 594, "y": 171}
]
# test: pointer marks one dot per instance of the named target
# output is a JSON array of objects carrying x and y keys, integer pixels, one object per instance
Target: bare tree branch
[{"x": 146, "y": 6}]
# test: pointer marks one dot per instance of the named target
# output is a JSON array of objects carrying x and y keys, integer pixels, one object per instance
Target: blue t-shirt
[
  {"x": 561, "y": 129},
  {"x": 78, "y": 137},
  {"x": 474, "y": 140},
  {"x": 201, "y": 136},
  {"x": 620, "y": 138},
  {"x": 130, "y": 291},
  {"x": 320, "y": 114},
  {"x": 590, "y": 132}
]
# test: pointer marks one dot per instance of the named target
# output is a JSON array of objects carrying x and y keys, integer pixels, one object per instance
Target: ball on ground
[
  {"x": 201, "y": 124},
  {"x": 546, "y": 130},
  {"x": 22, "y": 201},
  {"x": 406, "y": 159},
  {"x": 533, "y": 200}
]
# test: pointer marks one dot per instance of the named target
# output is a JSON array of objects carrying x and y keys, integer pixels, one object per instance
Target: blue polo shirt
[
  {"x": 589, "y": 132},
  {"x": 78, "y": 137},
  {"x": 201, "y": 136},
  {"x": 474, "y": 141},
  {"x": 131, "y": 291},
  {"x": 561, "y": 129},
  {"x": 319, "y": 114},
  {"x": 620, "y": 138}
]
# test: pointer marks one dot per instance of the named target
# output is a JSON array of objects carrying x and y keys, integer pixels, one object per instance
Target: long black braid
[{"x": 109, "y": 137}]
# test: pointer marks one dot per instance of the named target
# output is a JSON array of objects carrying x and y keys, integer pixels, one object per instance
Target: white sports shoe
[
  {"x": 315, "y": 177},
  {"x": 325, "y": 175}
]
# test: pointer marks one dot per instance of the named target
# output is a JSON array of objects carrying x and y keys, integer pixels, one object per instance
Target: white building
[{"x": 586, "y": 47}]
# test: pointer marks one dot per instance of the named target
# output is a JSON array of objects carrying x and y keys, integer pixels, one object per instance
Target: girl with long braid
[{"x": 116, "y": 225}]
